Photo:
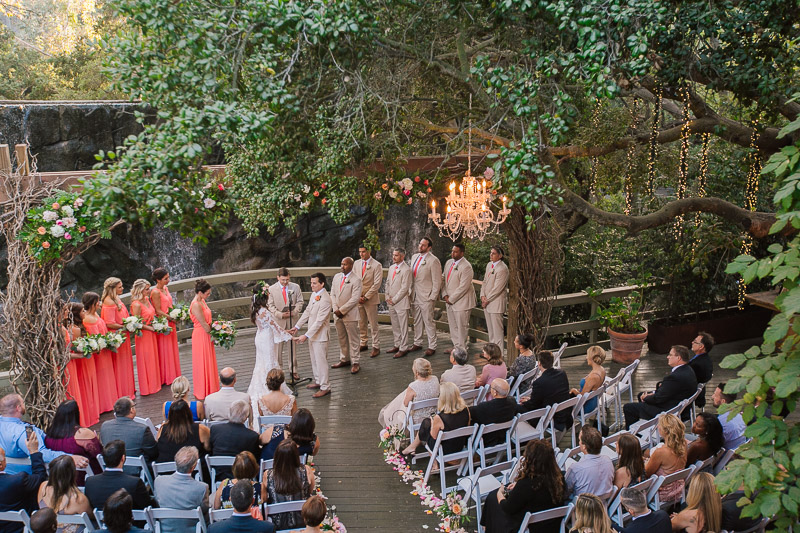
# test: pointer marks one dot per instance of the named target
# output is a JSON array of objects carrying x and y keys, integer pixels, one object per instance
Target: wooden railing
[{"x": 476, "y": 331}]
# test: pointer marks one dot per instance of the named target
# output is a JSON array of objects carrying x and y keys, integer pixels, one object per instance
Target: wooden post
[
  {"x": 5, "y": 159},
  {"x": 593, "y": 331},
  {"x": 23, "y": 167}
]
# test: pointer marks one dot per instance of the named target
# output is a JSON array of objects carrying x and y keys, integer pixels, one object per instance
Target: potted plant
[{"x": 622, "y": 317}]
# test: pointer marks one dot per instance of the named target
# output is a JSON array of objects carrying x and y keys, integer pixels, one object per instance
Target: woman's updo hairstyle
[
  {"x": 597, "y": 354},
  {"x": 201, "y": 285}
]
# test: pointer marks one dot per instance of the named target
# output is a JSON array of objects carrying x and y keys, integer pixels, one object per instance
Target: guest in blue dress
[
  {"x": 595, "y": 357},
  {"x": 300, "y": 429},
  {"x": 180, "y": 388}
]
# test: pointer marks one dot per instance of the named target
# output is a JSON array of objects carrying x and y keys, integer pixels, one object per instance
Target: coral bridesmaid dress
[
  {"x": 147, "y": 354},
  {"x": 86, "y": 374},
  {"x": 104, "y": 365},
  {"x": 168, "y": 358},
  {"x": 204, "y": 358},
  {"x": 88, "y": 413},
  {"x": 123, "y": 360}
]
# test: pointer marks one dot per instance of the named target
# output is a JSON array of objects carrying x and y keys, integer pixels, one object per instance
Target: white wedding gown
[{"x": 268, "y": 335}]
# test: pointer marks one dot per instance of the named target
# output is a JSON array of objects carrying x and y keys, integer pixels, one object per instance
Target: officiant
[{"x": 281, "y": 294}]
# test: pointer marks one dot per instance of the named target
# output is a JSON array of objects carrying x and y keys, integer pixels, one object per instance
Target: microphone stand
[{"x": 291, "y": 382}]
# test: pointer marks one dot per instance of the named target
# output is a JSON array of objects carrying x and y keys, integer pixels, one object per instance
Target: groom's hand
[
  {"x": 292, "y": 331},
  {"x": 338, "y": 313},
  {"x": 301, "y": 339}
]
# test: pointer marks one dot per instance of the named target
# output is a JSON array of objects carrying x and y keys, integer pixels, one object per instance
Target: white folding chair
[
  {"x": 20, "y": 517},
  {"x": 168, "y": 467},
  {"x": 721, "y": 460},
  {"x": 585, "y": 415},
  {"x": 139, "y": 515},
  {"x": 437, "y": 455},
  {"x": 702, "y": 466},
  {"x": 690, "y": 402},
  {"x": 647, "y": 432},
  {"x": 568, "y": 458},
  {"x": 147, "y": 422},
  {"x": 758, "y": 528},
  {"x": 412, "y": 406},
  {"x": 79, "y": 519},
  {"x": 273, "y": 420},
  {"x": 626, "y": 384},
  {"x": 522, "y": 431},
  {"x": 483, "y": 450},
  {"x": 572, "y": 405},
  {"x": 210, "y": 423},
  {"x": 137, "y": 462},
  {"x": 471, "y": 397},
  {"x": 483, "y": 392},
  {"x": 611, "y": 396},
  {"x": 266, "y": 464},
  {"x": 559, "y": 512},
  {"x": 610, "y": 446},
  {"x": 285, "y": 507},
  {"x": 675, "y": 477},
  {"x": 530, "y": 375},
  {"x": 557, "y": 356},
  {"x": 162, "y": 513},
  {"x": 215, "y": 461},
  {"x": 478, "y": 486},
  {"x": 615, "y": 507},
  {"x": 218, "y": 515}
]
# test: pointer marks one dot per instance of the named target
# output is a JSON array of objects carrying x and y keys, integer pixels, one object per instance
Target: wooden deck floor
[{"x": 367, "y": 493}]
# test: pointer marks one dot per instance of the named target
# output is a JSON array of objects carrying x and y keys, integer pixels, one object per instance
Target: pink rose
[{"x": 67, "y": 236}]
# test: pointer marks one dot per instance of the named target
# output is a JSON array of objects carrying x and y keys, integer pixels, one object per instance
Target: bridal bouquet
[
  {"x": 223, "y": 333},
  {"x": 114, "y": 340},
  {"x": 161, "y": 325},
  {"x": 133, "y": 324},
  {"x": 90, "y": 344},
  {"x": 178, "y": 313}
]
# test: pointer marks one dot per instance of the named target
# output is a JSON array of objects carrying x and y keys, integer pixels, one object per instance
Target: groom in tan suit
[
  {"x": 345, "y": 293},
  {"x": 494, "y": 297},
  {"x": 371, "y": 274},
  {"x": 458, "y": 294},
  {"x": 426, "y": 275},
  {"x": 279, "y": 296},
  {"x": 317, "y": 315},
  {"x": 398, "y": 296}
]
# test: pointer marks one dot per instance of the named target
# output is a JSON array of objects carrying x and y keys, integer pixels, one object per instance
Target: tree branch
[{"x": 451, "y": 130}]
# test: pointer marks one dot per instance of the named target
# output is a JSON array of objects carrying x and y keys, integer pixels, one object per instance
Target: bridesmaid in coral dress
[
  {"x": 104, "y": 361},
  {"x": 168, "y": 358},
  {"x": 146, "y": 347},
  {"x": 85, "y": 372},
  {"x": 204, "y": 359},
  {"x": 113, "y": 312},
  {"x": 71, "y": 370}
]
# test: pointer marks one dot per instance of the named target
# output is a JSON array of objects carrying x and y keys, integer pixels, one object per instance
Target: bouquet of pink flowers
[{"x": 223, "y": 333}]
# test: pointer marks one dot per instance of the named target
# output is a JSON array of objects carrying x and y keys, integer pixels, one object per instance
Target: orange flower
[
  {"x": 316, "y": 193},
  {"x": 430, "y": 190},
  {"x": 410, "y": 201},
  {"x": 56, "y": 205},
  {"x": 82, "y": 229},
  {"x": 456, "y": 508},
  {"x": 41, "y": 230},
  {"x": 324, "y": 185},
  {"x": 45, "y": 245},
  {"x": 324, "y": 201}
]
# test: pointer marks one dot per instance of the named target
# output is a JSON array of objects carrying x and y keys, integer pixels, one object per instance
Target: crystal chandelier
[{"x": 469, "y": 207}]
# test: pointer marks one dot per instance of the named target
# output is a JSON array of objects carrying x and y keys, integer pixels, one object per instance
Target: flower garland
[{"x": 331, "y": 522}]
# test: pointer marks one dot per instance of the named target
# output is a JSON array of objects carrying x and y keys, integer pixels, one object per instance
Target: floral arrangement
[
  {"x": 89, "y": 344},
  {"x": 331, "y": 522},
  {"x": 161, "y": 325},
  {"x": 223, "y": 333},
  {"x": 391, "y": 437},
  {"x": 61, "y": 221},
  {"x": 452, "y": 511},
  {"x": 178, "y": 313},
  {"x": 114, "y": 340},
  {"x": 133, "y": 324},
  {"x": 404, "y": 190}
]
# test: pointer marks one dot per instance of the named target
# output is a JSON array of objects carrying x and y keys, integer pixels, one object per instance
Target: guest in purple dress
[
  {"x": 65, "y": 434},
  {"x": 495, "y": 368}
]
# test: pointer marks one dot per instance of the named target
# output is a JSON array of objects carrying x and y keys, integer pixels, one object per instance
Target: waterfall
[{"x": 180, "y": 256}]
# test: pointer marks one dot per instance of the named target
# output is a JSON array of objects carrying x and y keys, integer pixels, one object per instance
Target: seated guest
[
  {"x": 703, "y": 510},
  {"x": 313, "y": 513},
  {"x": 595, "y": 357},
  {"x": 275, "y": 401},
  {"x": 118, "y": 513},
  {"x": 709, "y": 438},
  {"x": 669, "y": 457},
  {"x": 44, "y": 521},
  {"x": 591, "y": 515},
  {"x": 241, "y": 520},
  {"x": 179, "y": 431},
  {"x": 19, "y": 491},
  {"x": 234, "y": 437},
  {"x": 424, "y": 387},
  {"x": 644, "y": 520},
  {"x": 65, "y": 434},
  {"x": 630, "y": 465},
  {"x": 218, "y": 404},
  {"x": 551, "y": 387},
  {"x": 14, "y": 436},
  {"x": 539, "y": 486},
  {"x": 525, "y": 361},
  {"x": 462, "y": 374},
  {"x": 494, "y": 368},
  {"x": 501, "y": 409},
  {"x": 100, "y": 487},
  {"x": 300, "y": 430},
  {"x": 287, "y": 481},
  {"x": 181, "y": 491},
  {"x": 732, "y": 426},
  {"x": 137, "y": 437},
  {"x": 60, "y": 492},
  {"x": 245, "y": 468},
  {"x": 732, "y": 519},
  {"x": 679, "y": 384},
  {"x": 701, "y": 363},
  {"x": 180, "y": 389},
  {"x": 594, "y": 473},
  {"x": 452, "y": 414}
]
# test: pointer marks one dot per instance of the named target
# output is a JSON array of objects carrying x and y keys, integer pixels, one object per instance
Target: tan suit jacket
[
  {"x": 428, "y": 281},
  {"x": 218, "y": 404},
  {"x": 345, "y": 298},
  {"x": 495, "y": 283},
  {"x": 459, "y": 285},
  {"x": 399, "y": 288},
  {"x": 275, "y": 303},
  {"x": 318, "y": 317},
  {"x": 371, "y": 280}
]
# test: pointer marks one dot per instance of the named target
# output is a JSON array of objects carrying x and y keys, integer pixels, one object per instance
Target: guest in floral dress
[
  {"x": 245, "y": 467},
  {"x": 424, "y": 387},
  {"x": 287, "y": 481},
  {"x": 669, "y": 457},
  {"x": 525, "y": 361}
]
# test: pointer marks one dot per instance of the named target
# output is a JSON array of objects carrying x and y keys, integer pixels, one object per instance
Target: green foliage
[
  {"x": 622, "y": 314},
  {"x": 769, "y": 375}
]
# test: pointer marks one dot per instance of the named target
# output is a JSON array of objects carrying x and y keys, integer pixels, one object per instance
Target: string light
[
  {"x": 683, "y": 162},
  {"x": 701, "y": 186},
  {"x": 652, "y": 155},
  {"x": 593, "y": 160},
  {"x": 750, "y": 196},
  {"x": 630, "y": 159}
]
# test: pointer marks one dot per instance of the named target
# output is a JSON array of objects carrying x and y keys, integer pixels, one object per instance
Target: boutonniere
[{"x": 317, "y": 298}]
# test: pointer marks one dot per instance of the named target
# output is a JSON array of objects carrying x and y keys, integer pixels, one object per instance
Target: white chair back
[
  {"x": 531, "y": 374},
  {"x": 147, "y": 422},
  {"x": 568, "y": 457},
  {"x": 437, "y": 455},
  {"x": 156, "y": 515},
  {"x": 20, "y": 517},
  {"x": 266, "y": 464},
  {"x": 597, "y": 394},
  {"x": 412, "y": 406},
  {"x": 138, "y": 462},
  {"x": 721, "y": 460},
  {"x": 522, "y": 431},
  {"x": 139, "y": 515},
  {"x": 675, "y": 477},
  {"x": 215, "y": 461},
  {"x": 557, "y": 356},
  {"x": 79, "y": 519},
  {"x": 218, "y": 515},
  {"x": 484, "y": 450},
  {"x": 559, "y": 512},
  {"x": 478, "y": 486},
  {"x": 573, "y": 405},
  {"x": 646, "y": 486},
  {"x": 471, "y": 396},
  {"x": 272, "y": 420}
]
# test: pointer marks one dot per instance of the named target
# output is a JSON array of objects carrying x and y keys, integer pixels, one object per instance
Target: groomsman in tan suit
[
  {"x": 317, "y": 316},
  {"x": 371, "y": 274},
  {"x": 398, "y": 296},
  {"x": 279, "y": 295},
  {"x": 458, "y": 294},
  {"x": 426, "y": 275},
  {"x": 494, "y": 296},
  {"x": 345, "y": 293}
]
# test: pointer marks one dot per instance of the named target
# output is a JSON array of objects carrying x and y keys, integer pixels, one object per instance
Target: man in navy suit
[
  {"x": 99, "y": 488},
  {"x": 679, "y": 385},
  {"x": 644, "y": 520},
  {"x": 552, "y": 387},
  {"x": 18, "y": 491},
  {"x": 241, "y": 521},
  {"x": 701, "y": 363}
]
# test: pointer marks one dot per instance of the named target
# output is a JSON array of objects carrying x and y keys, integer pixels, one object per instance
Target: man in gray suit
[
  {"x": 181, "y": 491},
  {"x": 137, "y": 437}
]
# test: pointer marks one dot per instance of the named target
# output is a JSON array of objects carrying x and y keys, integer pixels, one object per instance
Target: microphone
[{"x": 289, "y": 292}]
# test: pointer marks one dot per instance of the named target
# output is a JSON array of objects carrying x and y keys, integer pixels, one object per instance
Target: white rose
[
  {"x": 93, "y": 344},
  {"x": 70, "y": 222},
  {"x": 393, "y": 193},
  {"x": 407, "y": 183},
  {"x": 56, "y": 231},
  {"x": 78, "y": 202},
  {"x": 102, "y": 343},
  {"x": 49, "y": 216},
  {"x": 209, "y": 203},
  {"x": 67, "y": 210}
]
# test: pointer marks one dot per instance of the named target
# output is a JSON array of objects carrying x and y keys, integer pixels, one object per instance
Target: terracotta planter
[
  {"x": 725, "y": 327},
  {"x": 626, "y": 347}
]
